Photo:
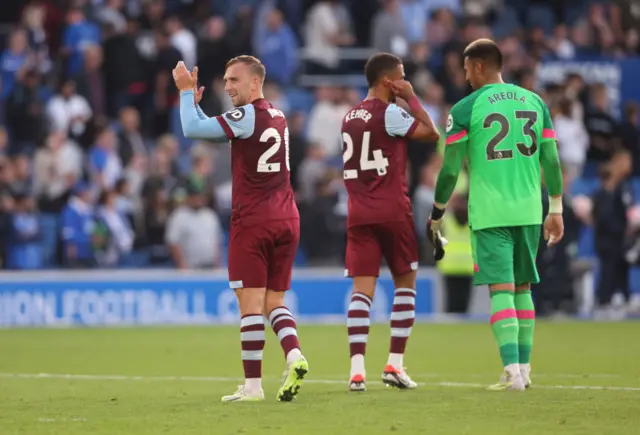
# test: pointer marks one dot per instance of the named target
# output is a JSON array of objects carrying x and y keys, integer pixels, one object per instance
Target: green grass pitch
[{"x": 170, "y": 380}]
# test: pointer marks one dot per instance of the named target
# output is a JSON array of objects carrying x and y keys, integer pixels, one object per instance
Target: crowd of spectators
[{"x": 94, "y": 170}]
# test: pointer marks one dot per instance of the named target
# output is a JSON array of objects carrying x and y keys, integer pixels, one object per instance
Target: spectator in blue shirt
[
  {"x": 23, "y": 243},
  {"x": 415, "y": 17},
  {"x": 115, "y": 232},
  {"x": 78, "y": 35},
  {"x": 278, "y": 49},
  {"x": 13, "y": 60},
  {"x": 77, "y": 228},
  {"x": 104, "y": 163}
]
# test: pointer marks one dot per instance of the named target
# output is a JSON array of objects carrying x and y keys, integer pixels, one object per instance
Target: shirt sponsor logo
[{"x": 235, "y": 115}]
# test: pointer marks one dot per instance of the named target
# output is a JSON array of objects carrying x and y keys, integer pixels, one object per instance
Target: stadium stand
[{"x": 87, "y": 99}]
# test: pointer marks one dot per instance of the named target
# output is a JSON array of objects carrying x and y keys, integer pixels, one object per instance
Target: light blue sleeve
[
  {"x": 240, "y": 122},
  {"x": 397, "y": 121},
  {"x": 194, "y": 126},
  {"x": 201, "y": 113}
]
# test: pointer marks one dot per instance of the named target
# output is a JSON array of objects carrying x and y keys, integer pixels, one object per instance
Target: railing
[{"x": 350, "y": 80}]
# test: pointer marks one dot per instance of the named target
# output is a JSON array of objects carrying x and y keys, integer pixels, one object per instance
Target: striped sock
[
  {"x": 504, "y": 324},
  {"x": 284, "y": 325},
  {"x": 252, "y": 340},
  {"x": 358, "y": 329},
  {"x": 403, "y": 315},
  {"x": 526, "y": 319}
]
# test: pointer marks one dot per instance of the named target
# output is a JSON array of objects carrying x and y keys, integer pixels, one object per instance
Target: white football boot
[
  {"x": 398, "y": 378},
  {"x": 242, "y": 395},
  {"x": 525, "y": 372},
  {"x": 511, "y": 380},
  {"x": 357, "y": 383}
]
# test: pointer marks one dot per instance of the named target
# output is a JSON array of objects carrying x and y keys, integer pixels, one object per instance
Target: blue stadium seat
[
  {"x": 50, "y": 229},
  {"x": 520, "y": 6},
  {"x": 300, "y": 100},
  {"x": 573, "y": 11},
  {"x": 541, "y": 16},
  {"x": 586, "y": 243},
  {"x": 635, "y": 184},
  {"x": 46, "y": 92},
  {"x": 584, "y": 186},
  {"x": 436, "y": 60},
  {"x": 301, "y": 258},
  {"x": 590, "y": 170},
  {"x": 138, "y": 259},
  {"x": 507, "y": 24},
  {"x": 229, "y": 9},
  {"x": 634, "y": 279}
]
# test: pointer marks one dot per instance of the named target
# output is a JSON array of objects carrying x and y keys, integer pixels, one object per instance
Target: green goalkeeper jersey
[{"x": 505, "y": 132}]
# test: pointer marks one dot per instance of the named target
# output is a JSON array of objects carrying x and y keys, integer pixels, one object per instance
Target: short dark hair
[
  {"x": 253, "y": 62},
  {"x": 574, "y": 76},
  {"x": 565, "y": 105},
  {"x": 161, "y": 32},
  {"x": 379, "y": 64},
  {"x": 120, "y": 184},
  {"x": 104, "y": 196},
  {"x": 484, "y": 50}
]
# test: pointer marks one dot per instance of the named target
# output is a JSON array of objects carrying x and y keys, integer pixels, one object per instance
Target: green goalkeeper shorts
[{"x": 506, "y": 255}]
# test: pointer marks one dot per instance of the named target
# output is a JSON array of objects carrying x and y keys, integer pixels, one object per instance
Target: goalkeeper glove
[{"x": 434, "y": 235}]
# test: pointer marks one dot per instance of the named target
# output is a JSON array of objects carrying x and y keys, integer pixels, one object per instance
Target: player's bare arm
[
  {"x": 426, "y": 129},
  {"x": 194, "y": 124}
]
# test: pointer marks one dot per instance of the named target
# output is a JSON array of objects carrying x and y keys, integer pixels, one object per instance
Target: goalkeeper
[{"x": 506, "y": 135}]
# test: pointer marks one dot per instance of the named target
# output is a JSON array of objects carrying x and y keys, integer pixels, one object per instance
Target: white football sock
[
  {"x": 357, "y": 365},
  {"x": 513, "y": 370},
  {"x": 293, "y": 355},
  {"x": 396, "y": 360},
  {"x": 253, "y": 385}
]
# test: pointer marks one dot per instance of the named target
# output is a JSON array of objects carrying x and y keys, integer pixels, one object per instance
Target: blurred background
[{"x": 95, "y": 172}]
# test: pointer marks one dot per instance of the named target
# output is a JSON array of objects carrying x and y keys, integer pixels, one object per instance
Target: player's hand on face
[
  {"x": 197, "y": 92},
  {"x": 402, "y": 89},
  {"x": 435, "y": 238},
  {"x": 183, "y": 78},
  {"x": 553, "y": 229}
]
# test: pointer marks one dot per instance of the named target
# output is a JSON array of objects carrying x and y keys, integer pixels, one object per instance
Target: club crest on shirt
[
  {"x": 449, "y": 123},
  {"x": 235, "y": 114}
]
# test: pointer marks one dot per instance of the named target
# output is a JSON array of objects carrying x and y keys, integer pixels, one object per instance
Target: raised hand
[
  {"x": 197, "y": 92},
  {"x": 183, "y": 78},
  {"x": 401, "y": 88}
]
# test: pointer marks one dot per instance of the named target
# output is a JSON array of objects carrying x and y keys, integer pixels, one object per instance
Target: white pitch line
[
  {"x": 311, "y": 381},
  {"x": 60, "y": 420},
  {"x": 537, "y": 375}
]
